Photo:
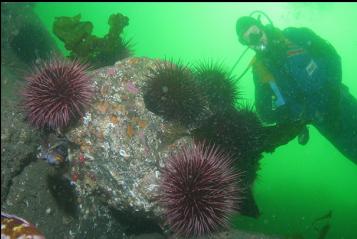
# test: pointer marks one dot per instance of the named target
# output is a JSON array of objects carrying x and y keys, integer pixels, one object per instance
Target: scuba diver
[{"x": 297, "y": 77}]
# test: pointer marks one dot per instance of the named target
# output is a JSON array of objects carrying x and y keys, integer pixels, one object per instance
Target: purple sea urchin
[
  {"x": 57, "y": 93},
  {"x": 219, "y": 87},
  {"x": 172, "y": 93},
  {"x": 240, "y": 132},
  {"x": 199, "y": 190}
]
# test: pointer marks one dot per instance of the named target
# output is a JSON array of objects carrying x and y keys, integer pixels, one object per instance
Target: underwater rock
[
  {"x": 48, "y": 201},
  {"x": 24, "y": 39},
  {"x": 122, "y": 145},
  {"x": 78, "y": 39},
  {"x": 18, "y": 140},
  {"x": 28, "y": 198},
  {"x": 18, "y": 144}
]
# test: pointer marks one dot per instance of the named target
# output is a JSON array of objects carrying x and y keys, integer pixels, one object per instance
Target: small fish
[
  {"x": 55, "y": 154},
  {"x": 14, "y": 227},
  {"x": 54, "y": 158}
]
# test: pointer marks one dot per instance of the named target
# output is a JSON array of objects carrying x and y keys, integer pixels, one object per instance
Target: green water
[{"x": 296, "y": 184}]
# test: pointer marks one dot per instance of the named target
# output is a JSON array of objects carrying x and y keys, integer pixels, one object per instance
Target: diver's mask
[{"x": 254, "y": 40}]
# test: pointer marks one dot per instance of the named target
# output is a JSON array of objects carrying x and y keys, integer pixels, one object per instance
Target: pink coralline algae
[
  {"x": 111, "y": 72},
  {"x": 132, "y": 88}
]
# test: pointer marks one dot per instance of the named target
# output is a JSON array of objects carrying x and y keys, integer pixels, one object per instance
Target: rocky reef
[{"x": 115, "y": 154}]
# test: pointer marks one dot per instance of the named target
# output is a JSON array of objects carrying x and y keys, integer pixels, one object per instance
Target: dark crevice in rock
[
  {"x": 135, "y": 223},
  {"x": 17, "y": 171}
]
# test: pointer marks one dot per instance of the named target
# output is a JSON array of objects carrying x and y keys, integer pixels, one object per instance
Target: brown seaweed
[{"x": 83, "y": 45}]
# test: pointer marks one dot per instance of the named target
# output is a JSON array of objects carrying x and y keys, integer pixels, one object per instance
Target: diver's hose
[
  {"x": 240, "y": 58},
  {"x": 263, "y": 13}
]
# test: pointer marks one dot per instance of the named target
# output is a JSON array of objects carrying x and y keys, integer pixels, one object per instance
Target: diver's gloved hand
[
  {"x": 304, "y": 136},
  {"x": 280, "y": 134}
]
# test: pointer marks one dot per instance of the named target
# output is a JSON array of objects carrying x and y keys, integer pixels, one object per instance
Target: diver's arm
[{"x": 263, "y": 100}]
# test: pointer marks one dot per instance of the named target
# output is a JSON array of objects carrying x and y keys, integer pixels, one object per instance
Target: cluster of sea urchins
[
  {"x": 176, "y": 93},
  {"x": 199, "y": 190},
  {"x": 57, "y": 93}
]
